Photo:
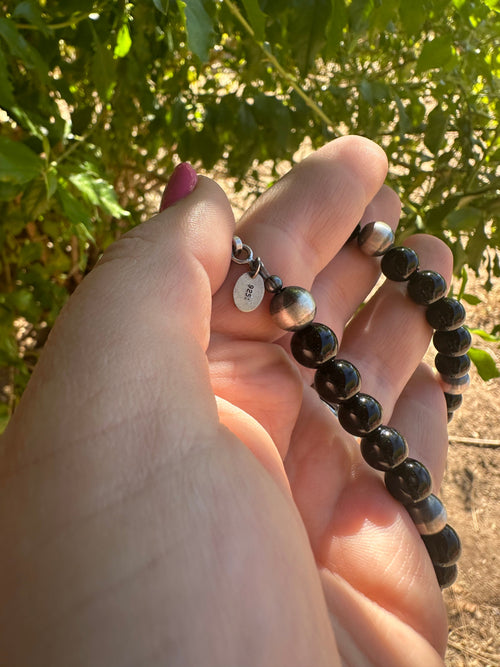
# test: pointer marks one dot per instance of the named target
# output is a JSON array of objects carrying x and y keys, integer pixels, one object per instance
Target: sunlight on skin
[{"x": 136, "y": 528}]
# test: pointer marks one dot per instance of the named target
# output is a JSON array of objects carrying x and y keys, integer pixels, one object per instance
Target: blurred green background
[{"x": 100, "y": 100}]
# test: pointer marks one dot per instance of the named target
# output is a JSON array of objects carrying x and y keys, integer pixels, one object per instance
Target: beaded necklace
[{"x": 338, "y": 382}]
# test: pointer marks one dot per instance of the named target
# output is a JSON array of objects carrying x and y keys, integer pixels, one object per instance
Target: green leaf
[
  {"x": 491, "y": 338},
  {"x": 18, "y": 163},
  {"x": 484, "y": 362},
  {"x": 199, "y": 28},
  {"x": 108, "y": 200},
  {"x": 413, "y": 15},
  {"x": 161, "y": 5},
  {"x": 307, "y": 31},
  {"x": 463, "y": 219},
  {"x": 51, "y": 182},
  {"x": 437, "y": 123},
  {"x": 472, "y": 299},
  {"x": 4, "y": 417},
  {"x": 476, "y": 247},
  {"x": 335, "y": 28},
  {"x": 464, "y": 279},
  {"x": 6, "y": 90},
  {"x": 123, "y": 42},
  {"x": 74, "y": 209},
  {"x": 103, "y": 69},
  {"x": 20, "y": 48},
  {"x": 492, "y": 4},
  {"x": 435, "y": 54},
  {"x": 30, "y": 11},
  {"x": 256, "y": 18},
  {"x": 99, "y": 193},
  {"x": 30, "y": 252},
  {"x": 9, "y": 352}
]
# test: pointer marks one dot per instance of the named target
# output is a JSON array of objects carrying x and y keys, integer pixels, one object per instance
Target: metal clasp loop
[{"x": 240, "y": 248}]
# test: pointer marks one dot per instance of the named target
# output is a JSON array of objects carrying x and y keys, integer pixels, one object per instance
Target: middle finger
[{"x": 299, "y": 225}]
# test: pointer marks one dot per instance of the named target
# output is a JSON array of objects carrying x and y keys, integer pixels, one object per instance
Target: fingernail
[{"x": 181, "y": 183}]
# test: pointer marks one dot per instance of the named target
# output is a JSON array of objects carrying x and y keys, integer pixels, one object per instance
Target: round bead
[
  {"x": 446, "y": 576},
  {"x": 360, "y": 414},
  {"x": 273, "y": 284},
  {"x": 409, "y": 482},
  {"x": 446, "y": 314},
  {"x": 444, "y": 548},
  {"x": 337, "y": 380},
  {"x": 293, "y": 308},
  {"x": 375, "y": 238},
  {"x": 453, "y": 401},
  {"x": 425, "y": 287},
  {"x": 399, "y": 263},
  {"x": 314, "y": 345},
  {"x": 429, "y": 515},
  {"x": 454, "y": 367},
  {"x": 455, "y": 385},
  {"x": 452, "y": 343},
  {"x": 354, "y": 233},
  {"x": 384, "y": 448}
]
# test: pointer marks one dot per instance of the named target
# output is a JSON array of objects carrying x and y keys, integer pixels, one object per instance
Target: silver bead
[
  {"x": 375, "y": 238},
  {"x": 429, "y": 515},
  {"x": 454, "y": 385},
  {"x": 293, "y": 308}
]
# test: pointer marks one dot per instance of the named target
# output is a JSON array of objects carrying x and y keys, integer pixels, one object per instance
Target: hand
[{"x": 173, "y": 492}]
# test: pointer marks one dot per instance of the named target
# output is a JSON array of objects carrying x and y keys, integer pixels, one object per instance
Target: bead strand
[
  {"x": 338, "y": 383},
  {"x": 426, "y": 288}
]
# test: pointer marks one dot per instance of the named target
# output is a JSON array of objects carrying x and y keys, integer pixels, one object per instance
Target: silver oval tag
[{"x": 248, "y": 292}]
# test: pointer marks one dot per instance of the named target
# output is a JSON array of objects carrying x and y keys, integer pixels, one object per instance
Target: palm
[
  {"x": 125, "y": 477},
  {"x": 357, "y": 532}
]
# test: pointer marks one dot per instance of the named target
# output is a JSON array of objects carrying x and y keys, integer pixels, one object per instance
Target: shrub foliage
[{"x": 100, "y": 97}]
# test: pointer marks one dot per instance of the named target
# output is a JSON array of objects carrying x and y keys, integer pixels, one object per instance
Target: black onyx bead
[
  {"x": 444, "y": 547},
  {"x": 314, "y": 345},
  {"x": 452, "y": 343},
  {"x": 453, "y": 401},
  {"x": 409, "y": 482},
  {"x": 360, "y": 414},
  {"x": 384, "y": 448},
  {"x": 454, "y": 367},
  {"x": 337, "y": 380},
  {"x": 425, "y": 287},
  {"x": 446, "y": 576},
  {"x": 355, "y": 233},
  {"x": 446, "y": 314},
  {"x": 399, "y": 263}
]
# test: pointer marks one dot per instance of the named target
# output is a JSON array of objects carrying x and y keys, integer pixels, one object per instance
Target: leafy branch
[{"x": 286, "y": 76}]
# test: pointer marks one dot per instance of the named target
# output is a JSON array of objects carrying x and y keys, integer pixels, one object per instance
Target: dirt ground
[{"x": 471, "y": 493}]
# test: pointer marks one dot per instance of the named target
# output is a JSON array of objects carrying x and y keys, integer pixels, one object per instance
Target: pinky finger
[{"x": 420, "y": 413}]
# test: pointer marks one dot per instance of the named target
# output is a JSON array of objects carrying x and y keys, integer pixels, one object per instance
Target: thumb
[{"x": 137, "y": 326}]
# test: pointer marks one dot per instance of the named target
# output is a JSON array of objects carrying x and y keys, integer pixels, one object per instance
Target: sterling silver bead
[
  {"x": 429, "y": 515},
  {"x": 293, "y": 308},
  {"x": 375, "y": 238},
  {"x": 454, "y": 385}
]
